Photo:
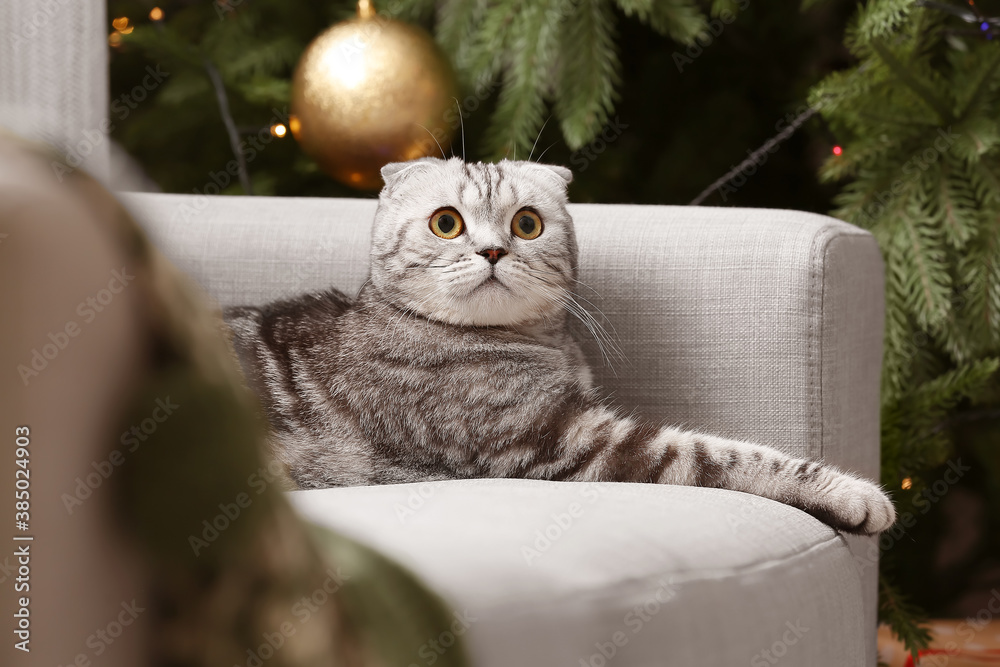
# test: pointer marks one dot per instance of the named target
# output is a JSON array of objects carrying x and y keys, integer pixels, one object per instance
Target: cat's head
[{"x": 474, "y": 244}]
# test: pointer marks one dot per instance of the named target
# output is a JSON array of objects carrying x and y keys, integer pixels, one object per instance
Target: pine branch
[
  {"x": 184, "y": 86},
  {"x": 934, "y": 398},
  {"x": 903, "y": 617},
  {"x": 535, "y": 47},
  {"x": 898, "y": 360},
  {"x": 475, "y": 38},
  {"x": 966, "y": 418},
  {"x": 411, "y": 11},
  {"x": 880, "y": 18},
  {"x": 983, "y": 83},
  {"x": 914, "y": 83},
  {"x": 979, "y": 272},
  {"x": 926, "y": 281},
  {"x": 164, "y": 44},
  {"x": 519, "y": 113},
  {"x": 586, "y": 79},
  {"x": 681, "y": 20},
  {"x": 955, "y": 205},
  {"x": 720, "y": 6},
  {"x": 270, "y": 91}
]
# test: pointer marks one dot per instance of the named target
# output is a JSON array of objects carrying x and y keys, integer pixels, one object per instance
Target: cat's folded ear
[
  {"x": 395, "y": 170},
  {"x": 562, "y": 172}
]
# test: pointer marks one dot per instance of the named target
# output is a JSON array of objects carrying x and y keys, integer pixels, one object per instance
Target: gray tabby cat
[{"x": 455, "y": 360}]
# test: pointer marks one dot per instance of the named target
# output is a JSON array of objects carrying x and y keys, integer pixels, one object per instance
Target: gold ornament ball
[{"x": 371, "y": 91}]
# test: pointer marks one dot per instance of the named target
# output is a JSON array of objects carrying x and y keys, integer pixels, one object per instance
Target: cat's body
[{"x": 455, "y": 361}]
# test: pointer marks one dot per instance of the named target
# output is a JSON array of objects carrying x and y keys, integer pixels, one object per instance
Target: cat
[{"x": 455, "y": 360}]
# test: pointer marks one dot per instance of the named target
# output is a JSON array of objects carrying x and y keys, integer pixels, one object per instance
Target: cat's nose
[{"x": 493, "y": 255}]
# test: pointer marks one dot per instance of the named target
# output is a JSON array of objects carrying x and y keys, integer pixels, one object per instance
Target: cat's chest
[{"x": 437, "y": 372}]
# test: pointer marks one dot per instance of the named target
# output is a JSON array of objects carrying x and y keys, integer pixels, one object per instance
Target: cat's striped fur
[{"x": 448, "y": 365}]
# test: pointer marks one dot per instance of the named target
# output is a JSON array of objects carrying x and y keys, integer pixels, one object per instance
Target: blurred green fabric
[{"x": 240, "y": 579}]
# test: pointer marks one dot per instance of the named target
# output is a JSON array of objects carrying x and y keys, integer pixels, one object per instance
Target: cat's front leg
[
  {"x": 599, "y": 445},
  {"x": 846, "y": 502}
]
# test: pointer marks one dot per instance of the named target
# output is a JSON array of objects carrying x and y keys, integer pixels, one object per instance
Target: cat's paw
[{"x": 854, "y": 505}]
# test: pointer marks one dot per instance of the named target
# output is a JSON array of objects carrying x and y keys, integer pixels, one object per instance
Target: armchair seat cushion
[{"x": 556, "y": 573}]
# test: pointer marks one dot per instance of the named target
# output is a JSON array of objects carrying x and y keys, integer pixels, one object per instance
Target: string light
[
  {"x": 837, "y": 150},
  {"x": 279, "y": 130},
  {"x": 121, "y": 27},
  {"x": 907, "y": 483},
  {"x": 156, "y": 14}
]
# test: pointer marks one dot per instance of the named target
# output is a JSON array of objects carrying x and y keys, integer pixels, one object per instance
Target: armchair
[{"x": 757, "y": 324}]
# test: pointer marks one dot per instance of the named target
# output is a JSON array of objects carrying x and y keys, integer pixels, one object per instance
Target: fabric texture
[
  {"x": 569, "y": 574},
  {"x": 54, "y": 78},
  {"x": 747, "y": 323}
]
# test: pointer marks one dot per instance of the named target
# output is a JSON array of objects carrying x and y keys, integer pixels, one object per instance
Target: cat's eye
[
  {"x": 447, "y": 223},
  {"x": 526, "y": 224}
]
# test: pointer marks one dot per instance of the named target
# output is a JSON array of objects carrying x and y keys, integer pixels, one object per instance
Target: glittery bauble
[{"x": 370, "y": 91}]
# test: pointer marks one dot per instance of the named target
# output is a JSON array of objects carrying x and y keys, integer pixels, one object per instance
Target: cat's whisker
[
  {"x": 574, "y": 309},
  {"x": 578, "y": 296},
  {"x": 562, "y": 273},
  {"x": 461, "y": 120},
  {"x": 443, "y": 156},
  {"x": 606, "y": 344},
  {"x": 538, "y": 137},
  {"x": 601, "y": 312},
  {"x": 610, "y": 341},
  {"x": 546, "y": 150},
  {"x": 595, "y": 330}
]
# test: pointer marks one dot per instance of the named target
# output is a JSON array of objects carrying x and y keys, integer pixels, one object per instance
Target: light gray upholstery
[
  {"x": 547, "y": 573},
  {"x": 757, "y": 324},
  {"x": 54, "y": 77}
]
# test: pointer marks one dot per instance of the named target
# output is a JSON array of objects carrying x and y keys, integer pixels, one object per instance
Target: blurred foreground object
[
  {"x": 147, "y": 465},
  {"x": 370, "y": 91}
]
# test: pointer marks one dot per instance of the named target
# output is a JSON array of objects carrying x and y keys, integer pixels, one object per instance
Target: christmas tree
[
  {"x": 918, "y": 116},
  {"x": 656, "y": 85},
  {"x": 906, "y": 97}
]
